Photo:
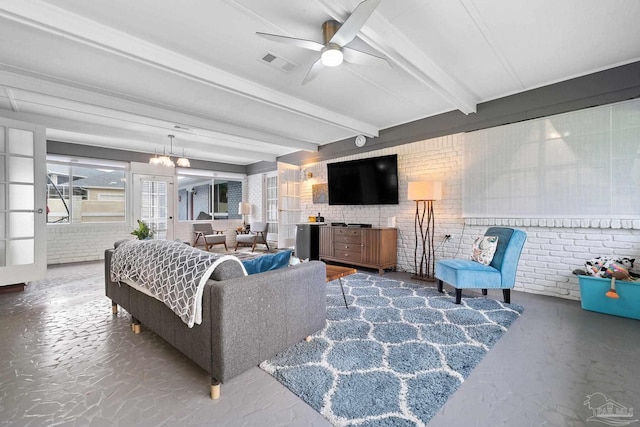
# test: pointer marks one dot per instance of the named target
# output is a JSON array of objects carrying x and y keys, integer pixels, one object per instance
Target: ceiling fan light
[{"x": 332, "y": 56}]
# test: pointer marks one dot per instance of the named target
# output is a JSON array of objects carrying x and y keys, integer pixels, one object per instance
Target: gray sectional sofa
[{"x": 245, "y": 320}]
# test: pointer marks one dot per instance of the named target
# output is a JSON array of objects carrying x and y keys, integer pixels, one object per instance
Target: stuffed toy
[{"x": 603, "y": 266}]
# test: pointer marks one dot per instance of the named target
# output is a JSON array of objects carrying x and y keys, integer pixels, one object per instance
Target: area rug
[{"x": 394, "y": 356}]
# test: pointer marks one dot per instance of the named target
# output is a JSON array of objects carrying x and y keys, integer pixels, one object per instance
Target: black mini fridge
[{"x": 308, "y": 241}]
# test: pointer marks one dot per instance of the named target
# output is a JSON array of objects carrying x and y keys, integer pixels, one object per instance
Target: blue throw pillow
[{"x": 267, "y": 262}]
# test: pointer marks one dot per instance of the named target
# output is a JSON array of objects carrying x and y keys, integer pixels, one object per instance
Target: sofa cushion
[
  {"x": 267, "y": 262},
  {"x": 464, "y": 273}
]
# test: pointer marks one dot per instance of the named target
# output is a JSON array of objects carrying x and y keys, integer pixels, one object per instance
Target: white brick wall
[
  {"x": 82, "y": 242},
  {"x": 87, "y": 242},
  {"x": 254, "y": 196},
  {"x": 554, "y": 247}
]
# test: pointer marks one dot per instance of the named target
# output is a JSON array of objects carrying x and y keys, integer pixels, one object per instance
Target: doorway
[{"x": 153, "y": 203}]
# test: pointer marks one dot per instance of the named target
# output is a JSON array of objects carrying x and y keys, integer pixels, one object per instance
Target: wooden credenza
[{"x": 365, "y": 247}]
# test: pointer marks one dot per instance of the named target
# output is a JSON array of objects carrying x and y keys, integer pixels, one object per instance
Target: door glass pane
[
  {"x": 21, "y": 252},
  {"x": 2, "y": 139},
  {"x": 21, "y": 142},
  {"x": 3, "y": 254},
  {"x": 2, "y": 225},
  {"x": 21, "y": 197},
  {"x": 154, "y": 207},
  {"x": 3, "y": 168},
  {"x": 21, "y": 224},
  {"x": 3, "y": 193},
  {"x": 21, "y": 169}
]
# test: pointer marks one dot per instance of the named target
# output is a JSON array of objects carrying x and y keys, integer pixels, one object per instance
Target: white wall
[
  {"x": 255, "y": 188},
  {"x": 554, "y": 248},
  {"x": 87, "y": 242}
]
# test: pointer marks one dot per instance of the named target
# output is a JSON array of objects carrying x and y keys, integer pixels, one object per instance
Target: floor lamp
[
  {"x": 245, "y": 209},
  {"x": 424, "y": 193}
]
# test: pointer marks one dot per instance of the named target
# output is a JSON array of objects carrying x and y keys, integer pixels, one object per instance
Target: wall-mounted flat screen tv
[{"x": 371, "y": 181}]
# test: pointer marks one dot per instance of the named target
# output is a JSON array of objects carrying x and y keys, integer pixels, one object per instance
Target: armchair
[
  {"x": 257, "y": 235},
  {"x": 499, "y": 274},
  {"x": 205, "y": 231}
]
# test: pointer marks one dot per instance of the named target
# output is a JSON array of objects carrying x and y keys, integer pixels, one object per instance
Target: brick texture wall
[
  {"x": 83, "y": 242},
  {"x": 554, "y": 247},
  {"x": 255, "y": 189}
]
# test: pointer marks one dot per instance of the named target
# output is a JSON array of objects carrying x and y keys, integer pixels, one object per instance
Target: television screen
[{"x": 371, "y": 181}]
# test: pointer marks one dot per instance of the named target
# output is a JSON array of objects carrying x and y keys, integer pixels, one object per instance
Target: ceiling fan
[{"x": 336, "y": 36}]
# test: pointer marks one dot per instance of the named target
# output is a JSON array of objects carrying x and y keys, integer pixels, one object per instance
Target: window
[
  {"x": 583, "y": 164},
  {"x": 85, "y": 192},
  {"x": 203, "y": 197}
]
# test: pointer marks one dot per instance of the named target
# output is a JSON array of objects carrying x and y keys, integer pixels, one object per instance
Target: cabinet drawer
[
  {"x": 345, "y": 246},
  {"x": 346, "y": 231},
  {"x": 347, "y": 255},
  {"x": 347, "y": 239}
]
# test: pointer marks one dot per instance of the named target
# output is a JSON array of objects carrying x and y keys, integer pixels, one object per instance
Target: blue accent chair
[{"x": 500, "y": 274}]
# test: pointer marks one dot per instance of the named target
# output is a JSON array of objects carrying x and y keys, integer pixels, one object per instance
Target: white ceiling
[{"x": 123, "y": 74}]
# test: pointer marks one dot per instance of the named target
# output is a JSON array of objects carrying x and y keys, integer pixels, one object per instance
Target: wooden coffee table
[{"x": 337, "y": 272}]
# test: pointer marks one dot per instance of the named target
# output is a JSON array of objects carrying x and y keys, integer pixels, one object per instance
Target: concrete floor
[{"x": 66, "y": 360}]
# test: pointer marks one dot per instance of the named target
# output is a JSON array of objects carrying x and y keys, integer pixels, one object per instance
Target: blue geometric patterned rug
[{"x": 394, "y": 356}]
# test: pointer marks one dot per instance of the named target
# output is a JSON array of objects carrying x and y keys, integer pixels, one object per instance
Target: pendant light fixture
[
  {"x": 183, "y": 162},
  {"x": 165, "y": 160}
]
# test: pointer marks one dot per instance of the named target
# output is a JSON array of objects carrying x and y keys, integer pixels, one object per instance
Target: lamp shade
[
  {"x": 244, "y": 208},
  {"x": 428, "y": 190}
]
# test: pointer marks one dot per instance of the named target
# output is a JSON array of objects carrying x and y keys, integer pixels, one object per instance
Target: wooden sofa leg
[
  {"x": 484, "y": 292},
  {"x": 114, "y": 308},
  {"x": 215, "y": 389},
  {"x": 506, "y": 293},
  {"x": 135, "y": 325},
  {"x": 458, "y": 296},
  {"x": 439, "y": 285}
]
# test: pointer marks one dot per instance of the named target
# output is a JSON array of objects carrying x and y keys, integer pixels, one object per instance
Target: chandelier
[{"x": 165, "y": 160}]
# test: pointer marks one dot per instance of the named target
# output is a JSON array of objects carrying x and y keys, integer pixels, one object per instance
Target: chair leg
[
  {"x": 506, "y": 293},
  {"x": 484, "y": 292},
  {"x": 439, "y": 285},
  {"x": 225, "y": 246},
  {"x": 267, "y": 245},
  {"x": 458, "y": 296}
]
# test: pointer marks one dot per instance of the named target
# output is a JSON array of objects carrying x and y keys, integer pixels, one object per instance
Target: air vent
[
  {"x": 268, "y": 58},
  {"x": 279, "y": 62}
]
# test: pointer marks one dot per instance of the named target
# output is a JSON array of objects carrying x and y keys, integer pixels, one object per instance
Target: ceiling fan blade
[
  {"x": 354, "y": 22},
  {"x": 313, "y": 72},
  {"x": 305, "y": 44},
  {"x": 358, "y": 57}
]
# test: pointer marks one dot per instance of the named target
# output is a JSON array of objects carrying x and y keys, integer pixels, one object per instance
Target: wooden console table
[{"x": 365, "y": 247}]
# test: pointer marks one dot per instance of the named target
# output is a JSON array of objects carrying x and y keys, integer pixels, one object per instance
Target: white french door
[
  {"x": 270, "y": 192},
  {"x": 288, "y": 204},
  {"x": 23, "y": 239},
  {"x": 153, "y": 203}
]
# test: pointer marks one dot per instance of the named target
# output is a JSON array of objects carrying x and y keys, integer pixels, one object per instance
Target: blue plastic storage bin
[{"x": 592, "y": 290}]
